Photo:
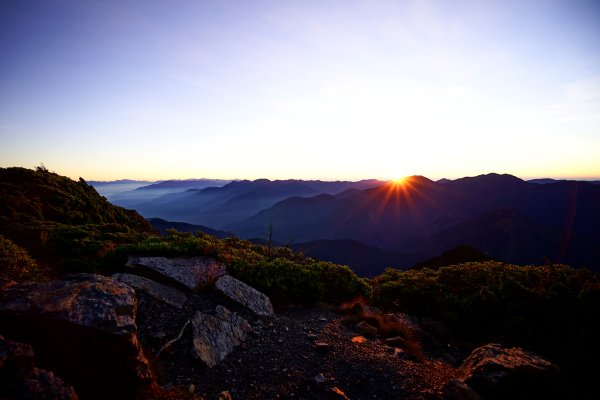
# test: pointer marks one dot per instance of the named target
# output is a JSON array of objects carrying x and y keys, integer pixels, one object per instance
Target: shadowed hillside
[{"x": 62, "y": 222}]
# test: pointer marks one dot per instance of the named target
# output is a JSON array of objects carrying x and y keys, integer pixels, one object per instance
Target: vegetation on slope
[
  {"x": 16, "y": 264},
  {"x": 62, "y": 223},
  {"x": 32, "y": 197},
  {"x": 279, "y": 272},
  {"x": 553, "y": 309}
]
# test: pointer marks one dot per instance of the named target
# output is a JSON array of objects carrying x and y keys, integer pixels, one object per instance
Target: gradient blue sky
[{"x": 300, "y": 89}]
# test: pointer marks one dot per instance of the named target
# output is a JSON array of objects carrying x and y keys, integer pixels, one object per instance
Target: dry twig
[{"x": 171, "y": 342}]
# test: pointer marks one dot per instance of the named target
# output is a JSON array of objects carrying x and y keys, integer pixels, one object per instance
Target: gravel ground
[{"x": 303, "y": 353}]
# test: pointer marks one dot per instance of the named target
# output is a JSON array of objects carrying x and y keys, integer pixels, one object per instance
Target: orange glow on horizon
[{"x": 400, "y": 181}]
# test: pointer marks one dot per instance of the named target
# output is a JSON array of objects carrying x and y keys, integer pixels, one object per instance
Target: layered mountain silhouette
[
  {"x": 504, "y": 216},
  {"x": 141, "y": 192},
  {"x": 371, "y": 225},
  {"x": 220, "y": 207}
]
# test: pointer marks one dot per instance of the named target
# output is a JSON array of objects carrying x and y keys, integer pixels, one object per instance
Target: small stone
[
  {"x": 159, "y": 335},
  {"x": 319, "y": 380},
  {"x": 401, "y": 354},
  {"x": 322, "y": 346},
  {"x": 366, "y": 329},
  {"x": 192, "y": 388},
  {"x": 396, "y": 341},
  {"x": 337, "y": 393},
  {"x": 225, "y": 395}
]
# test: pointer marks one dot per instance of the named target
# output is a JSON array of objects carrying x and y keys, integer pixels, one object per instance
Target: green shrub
[
  {"x": 283, "y": 275},
  {"x": 16, "y": 264},
  {"x": 303, "y": 283},
  {"x": 553, "y": 309}
]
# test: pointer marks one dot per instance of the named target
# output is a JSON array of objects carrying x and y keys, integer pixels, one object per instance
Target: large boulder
[
  {"x": 165, "y": 293},
  {"x": 216, "y": 335},
  {"x": 87, "y": 300},
  {"x": 496, "y": 372},
  {"x": 84, "y": 328},
  {"x": 20, "y": 379},
  {"x": 245, "y": 295},
  {"x": 192, "y": 273}
]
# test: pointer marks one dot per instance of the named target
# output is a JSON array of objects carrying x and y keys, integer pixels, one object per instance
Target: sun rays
[{"x": 401, "y": 198}]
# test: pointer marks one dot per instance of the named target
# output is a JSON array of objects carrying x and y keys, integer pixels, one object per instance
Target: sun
[{"x": 399, "y": 181}]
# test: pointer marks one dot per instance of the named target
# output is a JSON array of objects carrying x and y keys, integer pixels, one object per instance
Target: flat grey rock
[
  {"x": 246, "y": 295},
  {"x": 216, "y": 335},
  {"x": 192, "y": 272},
  {"x": 167, "y": 294}
]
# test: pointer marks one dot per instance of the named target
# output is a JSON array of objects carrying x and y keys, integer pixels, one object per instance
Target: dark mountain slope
[
  {"x": 291, "y": 218},
  {"x": 37, "y": 197},
  {"x": 373, "y": 216},
  {"x": 163, "y": 226},
  {"x": 65, "y": 225},
  {"x": 508, "y": 218},
  {"x": 458, "y": 255},
  {"x": 366, "y": 261}
]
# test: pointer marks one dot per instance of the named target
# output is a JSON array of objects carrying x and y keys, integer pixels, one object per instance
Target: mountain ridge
[{"x": 553, "y": 221}]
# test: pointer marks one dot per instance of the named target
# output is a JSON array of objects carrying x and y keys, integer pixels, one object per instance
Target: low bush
[
  {"x": 553, "y": 310},
  {"x": 283, "y": 275},
  {"x": 17, "y": 265}
]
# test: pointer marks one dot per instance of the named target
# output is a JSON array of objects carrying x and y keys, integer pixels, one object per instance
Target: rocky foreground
[{"x": 184, "y": 328}]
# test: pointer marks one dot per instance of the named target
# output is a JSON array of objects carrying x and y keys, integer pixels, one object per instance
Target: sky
[{"x": 323, "y": 89}]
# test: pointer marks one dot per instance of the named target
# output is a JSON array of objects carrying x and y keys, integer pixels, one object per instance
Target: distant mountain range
[
  {"x": 544, "y": 181},
  {"x": 110, "y": 188},
  {"x": 131, "y": 193},
  {"x": 371, "y": 225},
  {"x": 221, "y": 207}
]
